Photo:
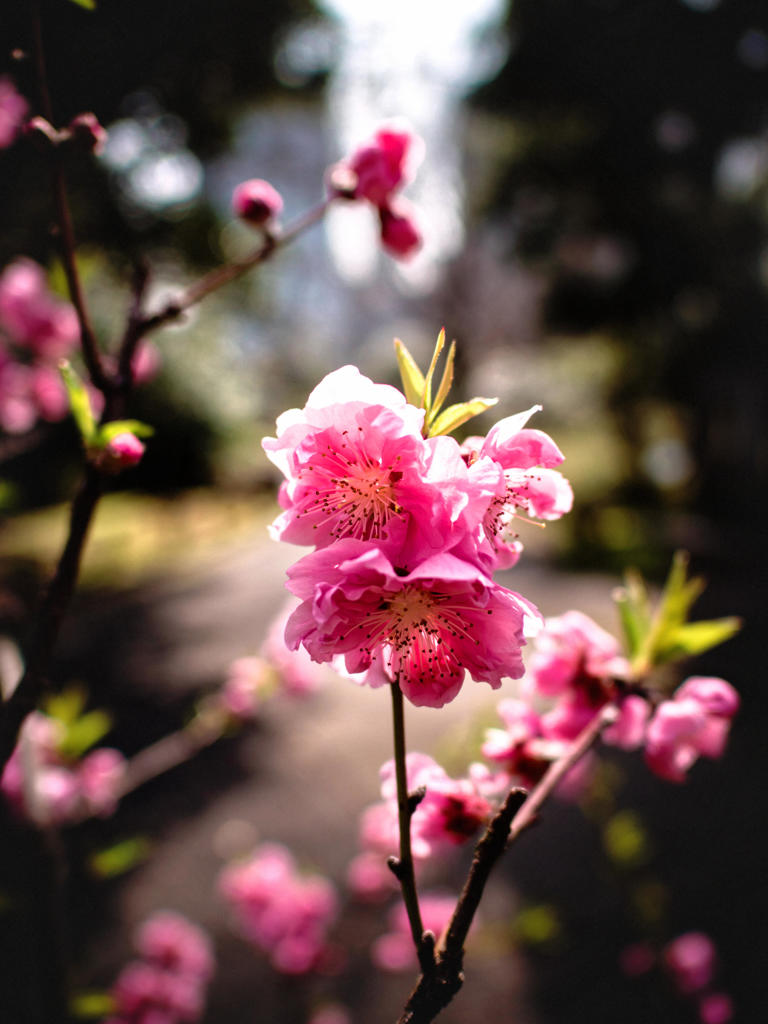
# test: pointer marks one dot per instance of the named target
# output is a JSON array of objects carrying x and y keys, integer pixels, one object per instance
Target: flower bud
[
  {"x": 86, "y": 131},
  {"x": 124, "y": 451},
  {"x": 399, "y": 234},
  {"x": 256, "y": 202}
]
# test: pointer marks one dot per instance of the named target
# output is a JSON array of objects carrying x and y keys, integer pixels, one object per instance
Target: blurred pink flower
[
  {"x": 383, "y": 164},
  {"x": 690, "y": 959},
  {"x": 716, "y": 1008},
  {"x": 400, "y": 235},
  {"x": 299, "y": 674},
  {"x": 170, "y": 941},
  {"x": 100, "y": 775},
  {"x": 13, "y": 110},
  {"x": 241, "y": 694},
  {"x": 283, "y": 913},
  {"x": 394, "y": 951},
  {"x": 695, "y": 722},
  {"x": 31, "y": 317}
]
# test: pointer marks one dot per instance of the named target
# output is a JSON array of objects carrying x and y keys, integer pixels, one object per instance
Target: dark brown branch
[
  {"x": 437, "y": 987},
  {"x": 90, "y": 347},
  {"x": 38, "y": 648}
]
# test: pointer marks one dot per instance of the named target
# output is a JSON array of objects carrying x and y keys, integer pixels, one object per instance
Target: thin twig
[
  {"x": 90, "y": 347},
  {"x": 403, "y": 867},
  {"x": 220, "y": 276}
]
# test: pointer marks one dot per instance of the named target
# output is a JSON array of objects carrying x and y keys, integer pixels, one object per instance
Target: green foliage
[
  {"x": 537, "y": 925},
  {"x": 654, "y": 637},
  {"x": 418, "y": 390},
  {"x": 121, "y": 857},
  {"x": 81, "y": 729},
  {"x": 79, "y": 402},
  {"x": 111, "y": 430},
  {"x": 89, "y": 5},
  {"x": 91, "y": 1005},
  {"x": 626, "y": 840}
]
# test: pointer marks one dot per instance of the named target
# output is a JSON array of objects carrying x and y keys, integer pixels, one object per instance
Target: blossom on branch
[{"x": 423, "y": 629}]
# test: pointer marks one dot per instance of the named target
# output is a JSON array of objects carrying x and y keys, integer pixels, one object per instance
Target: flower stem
[{"x": 404, "y": 867}]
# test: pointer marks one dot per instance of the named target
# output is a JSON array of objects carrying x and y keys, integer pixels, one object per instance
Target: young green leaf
[
  {"x": 79, "y": 401},
  {"x": 116, "y": 860},
  {"x": 84, "y": 733},
  {"x": 634, "y": 611},
  {"x": 92, "y": 1005},
  {"x": 115, "y": 427},
  {"x": 427, "y": 399},
  {"x": 691, "y": 638},
  {"x": 66, "y": 706},
  {"x": 445, "y": 384},
  {"x": 455, "y": 415},
  {"x": 89, "y": 5},
  {"x": 410, "y": 374}
]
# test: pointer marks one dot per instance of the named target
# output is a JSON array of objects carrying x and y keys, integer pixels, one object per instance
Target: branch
[
  {"x": 402, "y": 867},
  {"x": 90, "y": 348},
  {"x": 220, "y": 276},
  {"x": 436, "y": 988}
]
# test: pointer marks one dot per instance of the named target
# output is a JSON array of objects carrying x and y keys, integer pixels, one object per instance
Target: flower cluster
[
  {"x": 36, "y": 330},
  {"x": 283, "y": 913},
  {"x": 50, "y": 788},
  {"x": 375, "y": 172},
  {"x": 394, "y": 951},
  {"x": 167, "y": 984},
  {"x": 408, "y": 531}
]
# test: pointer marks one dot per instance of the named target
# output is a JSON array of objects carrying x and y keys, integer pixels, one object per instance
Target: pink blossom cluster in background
[
  {"x": 690, "y": 960},
  {"x": 284, "y": 913},
  {"x": 394, "y": 951},
  {"x": 36, "y": 330},
  {"x": 375, "y": 172},
  {"x": 51, "y": 789},
  {"x": 400, "y": 585},
  {"x": 13, "y": 110},
  {"x": 251, "y": 679},
  {"x": 167, "y": 984}
]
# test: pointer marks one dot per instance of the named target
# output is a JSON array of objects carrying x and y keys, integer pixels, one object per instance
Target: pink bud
[
  {"x": 86, "y": 130},
  {"x": 123, "y": 452},
  {"x": 690, "y": 958},
  {"x": 716, "y": 1008},
  {"x": 399, "y": 234},
  {"x": 256, "y": 201}
]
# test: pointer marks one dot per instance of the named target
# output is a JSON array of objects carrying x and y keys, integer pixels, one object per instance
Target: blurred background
[{"x": 593, "y": 200}]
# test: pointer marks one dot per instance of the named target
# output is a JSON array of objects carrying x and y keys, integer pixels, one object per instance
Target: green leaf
[
  {"x": 92, "y": 1005},
  {"x": 426, "y": 400},
  {"x": 537, "y": 925},
  {"x": 634, "y": 611},
  {"x": 116, "y": 860},
  {"x": 84, "y": 733},
  {"x": 111, "y": 430},
  {"x": 410, "y": 374},
  {"x": 79, "y": 402},
  {"x": 445, "y": 383},
  {"x": 89, "y": 5},
  {"x": 693, "y": 638},
  {"x": 455, "y": 415},
  {"x": 626, "y": 840},
  {"x": 66, "y": 706}
]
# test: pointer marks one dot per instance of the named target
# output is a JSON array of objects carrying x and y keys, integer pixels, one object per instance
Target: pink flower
[
  {"x": 381, "y": 166},
  {"x": 298, "y": 673},
  {"x": 170, "y": 941},
  {"x": 690, "y": 959},
  {"x": 530, "y": 485},
  {"x": 399, "y": 234},
  {"x": 368, "y": 876},
  {"x": 523, "y": 749},
  {"x": 31, "y": 317},
  {"x": 353, "y": 459},
  {"x": 240, "y": 695},
  {"x": 395, "y": 950},
  {"x": 628, "y": 731},
  {"x": 283, "y": 913},
  {"x": 256, "y": 202},
  {"x": 694, "y": 723},
  {"x": 100, "y": 776},
  {"x": 13, "y": 110},
  {"x": 715, "y": 1008},
  {"x": 423, "y": 629}
]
